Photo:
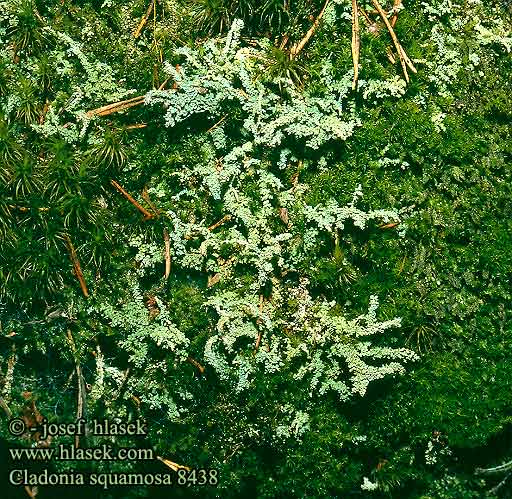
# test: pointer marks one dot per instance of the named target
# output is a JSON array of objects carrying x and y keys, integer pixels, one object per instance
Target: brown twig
[
  {"x": 283, "y": 215},
  {"x": 373, "y": 28},
  {"x": 31, "y": 491},
  {"x": 196, "y": 364},
  {"x": 167, "y": 254},
  {"x": 144, "y": 20},
  {"x": 213, "y": 127},
  {"x": 43, "y": 112},
  {"x": 122, "y": 385},
  {"x": 171, "y": 464},
  {"x": 258, "y": 340},
  {"x": 398, "y": 47},
  {"x": 156, "y": 78},
  {"x": 162, "y": 86},
  {"x": 116, "y": 106},
  {"x": 396, "y": 5},
  {"x": 146, "y": 213},
  {"x": 408, "y": 61},
  {"x": 390, "y": 56},
  {"x": 154, "y": 28},
  {"x": 25, "y": 209},
  {"x": 121, "y": 106},
  {"x": 146, "y": 198},
  {"x": 5, "y": 408},
  {"x": 390, "y": 225},
  {"x": 356, "y": 42},
  {"x": 259, "y": 321},
  {"x": 284, "y": 41},
  {"x": 212, "y": 280},
  {"x": 296, "y": 49},
  {"x": 38, "y": 16},
  {"x": 366, "y": 16},
  {"x": 76, "y": 266},
  {"x": 136, "y": 126},
  {"x": 81, "y": 411},
  {"x": 223, "y": 220},
  {"x": 243, "y": 93}
]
